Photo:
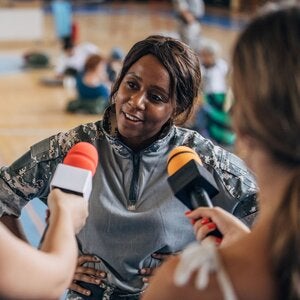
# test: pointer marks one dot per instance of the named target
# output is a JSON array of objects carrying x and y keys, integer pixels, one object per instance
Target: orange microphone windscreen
[
  {"x": 180, "y": 156},
  {"x": 83, "y": 155}
]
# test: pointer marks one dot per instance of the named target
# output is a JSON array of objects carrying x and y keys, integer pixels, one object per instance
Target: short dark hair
[
  {"x": 67, "y": 43},
  {"x": 180, "y": 61}
]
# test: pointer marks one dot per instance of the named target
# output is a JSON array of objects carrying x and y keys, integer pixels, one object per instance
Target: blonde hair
[{"x": 266, "y": 86}]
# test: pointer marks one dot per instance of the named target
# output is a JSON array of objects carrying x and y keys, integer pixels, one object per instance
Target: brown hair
[
  {"x": 92, "y": 62},
  {"x": 180, "y": 61},
  {"x": 266, "y": 85}
]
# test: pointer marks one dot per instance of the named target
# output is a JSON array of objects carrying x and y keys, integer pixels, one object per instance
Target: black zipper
[{"x": 134, "y": 182}]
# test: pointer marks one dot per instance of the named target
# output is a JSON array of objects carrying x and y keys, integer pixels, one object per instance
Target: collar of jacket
[{"x": 109, "y": 127}]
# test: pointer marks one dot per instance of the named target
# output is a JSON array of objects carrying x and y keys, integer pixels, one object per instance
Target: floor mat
[{"x": 10, "y": 63}]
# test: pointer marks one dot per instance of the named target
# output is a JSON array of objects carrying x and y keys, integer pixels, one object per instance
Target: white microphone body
[{"x": 73, "y": 180}]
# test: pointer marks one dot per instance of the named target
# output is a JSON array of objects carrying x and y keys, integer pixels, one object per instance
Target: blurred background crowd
[{"x": 58, "y": 59}]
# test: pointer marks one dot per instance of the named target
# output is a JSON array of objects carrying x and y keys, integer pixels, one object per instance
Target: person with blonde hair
[{"x": 265, "y": 263}]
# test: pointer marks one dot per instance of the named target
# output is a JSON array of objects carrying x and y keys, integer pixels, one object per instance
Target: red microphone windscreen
[{"x": 82, "y": 155}]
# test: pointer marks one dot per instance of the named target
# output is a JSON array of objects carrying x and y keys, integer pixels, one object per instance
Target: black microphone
[{"x": 190, "y": 182}]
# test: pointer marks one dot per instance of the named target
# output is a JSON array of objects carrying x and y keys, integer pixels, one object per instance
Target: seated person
[
  {"x": 188, "y": 14},
  {"x": 213, "y": 120},
  {"x": 70, "y": 63},
  {"x": 218, "y": 120},
  {"x": 114, "y": 63},
  {"x": 91, "y": 86},
  {"x": 214, "y": 69},
  {"x": 73, "y": 58}
]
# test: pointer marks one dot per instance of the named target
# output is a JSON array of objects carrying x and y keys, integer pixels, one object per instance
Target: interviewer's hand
[
  {"x": 75, "y": 206},
  {"x": 206, "y": 220}
]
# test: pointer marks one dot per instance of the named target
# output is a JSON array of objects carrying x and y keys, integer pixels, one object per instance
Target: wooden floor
[{"x": 30, "y": 112}]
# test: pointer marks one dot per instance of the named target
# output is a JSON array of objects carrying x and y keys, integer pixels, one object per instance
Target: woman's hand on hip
[
  {"x": 147, "y": 272},
  {"x": 86, "y": 274}
]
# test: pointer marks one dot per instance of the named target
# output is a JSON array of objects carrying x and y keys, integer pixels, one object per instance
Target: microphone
[
  {"x": 190, "y": 182},
  {"x": 74, "y": 175}
]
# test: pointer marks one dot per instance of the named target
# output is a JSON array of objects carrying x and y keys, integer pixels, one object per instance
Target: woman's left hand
[{"x": 147, "y": 272}]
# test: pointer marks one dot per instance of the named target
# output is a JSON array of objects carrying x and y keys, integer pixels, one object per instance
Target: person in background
[
  {"x": 92, "y": 88},
  {"x": 28, "y": 273},
  {"x": 114, "y": 63},
  {"x": 213, "y": 119},
  {"x": 135, "y": 220},
  {"x": 71, "y": 61},
  {"x": 214, "y": 68},
  {"x": 63, "y": 19},
  {"x": 188, "y": 13},
  {"x": 263, "y": 264}
]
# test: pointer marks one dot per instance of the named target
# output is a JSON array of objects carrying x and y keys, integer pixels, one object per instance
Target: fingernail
[
  {"x": 205, "y": 221},
  {"x": 142, "y": 271},
  {"x": 218, "y": 240},
  {"x": 211, "y": 226},
  {"x": 101, "y": 274},
  {"x": 87, "y": 293},
  {"x": 97, "y": 281},
  {"x": 193, "y": 221}
]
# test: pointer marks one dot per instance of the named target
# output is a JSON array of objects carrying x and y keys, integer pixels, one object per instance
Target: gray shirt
[{"x": 132, "y": 210}]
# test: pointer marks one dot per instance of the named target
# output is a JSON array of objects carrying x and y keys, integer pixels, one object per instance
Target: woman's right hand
[
  {"x": 206, "y": 220},
  {"x": 72, "y": 205},
  {"x": 86, "y": 274}
]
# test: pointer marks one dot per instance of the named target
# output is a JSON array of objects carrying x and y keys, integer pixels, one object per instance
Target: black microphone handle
[{"x": 201, "y": 198}]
